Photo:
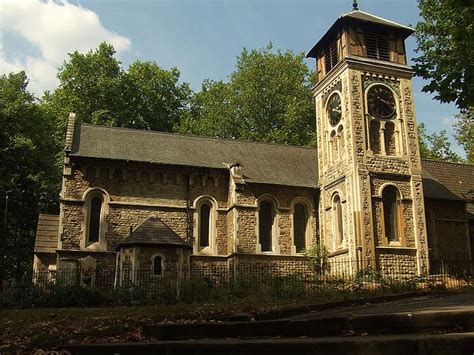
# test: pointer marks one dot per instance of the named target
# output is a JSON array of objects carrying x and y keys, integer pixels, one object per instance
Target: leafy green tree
[
  {"x": 153, "y": 96},
  {"x": 446, "y": 48},
  {"x": 436, "y": 146},
  {"x": 464, "y": 128},
  {"x": 96, "y": 87},
  {"x": 29, "y": 174},
  {"x": 268, "y": 98}
]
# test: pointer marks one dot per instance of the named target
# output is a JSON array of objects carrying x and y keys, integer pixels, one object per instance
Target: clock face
[
  {"x": 334, "y": 109},
  {"x": 381, "y": 103}
]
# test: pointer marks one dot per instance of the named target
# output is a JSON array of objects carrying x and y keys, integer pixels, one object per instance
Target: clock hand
[{"x": 385, "y": 101}]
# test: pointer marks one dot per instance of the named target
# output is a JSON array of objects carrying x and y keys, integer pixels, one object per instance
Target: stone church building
[{"x": 142, "y": 199}]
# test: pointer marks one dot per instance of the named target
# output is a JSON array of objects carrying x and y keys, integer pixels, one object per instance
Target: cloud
[
  {"x": 53, "y": 29},
  {"x": 448, "y": 121}
]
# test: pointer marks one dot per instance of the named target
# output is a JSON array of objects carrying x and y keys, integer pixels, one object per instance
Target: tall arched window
[
  {"x": 300, "y": 221},
  {"x": 340, "y": 136},
  {"x": 375, "y": 136},
  {"x": 389, "y": 137},
  {"x": 95, "y": 212},
  {"x": 204, "y": 229},
  {"x": 334, "y": 147},
  {"x": 94, "y": 226},
  {"x": 265, "y": 223},
  {"x": 338, "y": 221},
  {"x": 204, "y": 225},
  {"x": 391, "y": 211}
]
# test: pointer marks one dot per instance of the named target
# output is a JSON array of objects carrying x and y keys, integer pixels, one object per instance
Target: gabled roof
[
  {"x": 361, "y": 17},
  {"x": 47, "y": 234},
  {"x": 261, "y": 162},
  {"x": 457, "y": 181},
  {"x": 154, "y": 232},
  {"x": 264, "y": 163}
]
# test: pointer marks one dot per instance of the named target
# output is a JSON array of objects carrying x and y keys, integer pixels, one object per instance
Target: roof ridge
[
  {"x": 447, "y": 162},
  {"x": 197, "y": 136},
  {"x": 378, "y": 17}
]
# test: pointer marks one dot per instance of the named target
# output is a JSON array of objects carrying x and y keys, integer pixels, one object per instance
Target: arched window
[
  {"x": 94, "y": 219},
  {"x": 265, "y": 223},
  {"x": 338, "y": 221},
  {"x": 204, "y": 230},
  {"x": 300, "y": 221},
  {"x": 391, "y": 211},
  {"x": 340, "y": 136},
  {"x": 389, "y": 137},
  {"x": 94, "y": 226},
  {"x": 157, "y": 265},
  {"x": 204, "y": 225},
  {"x": 334, "y": 147},
  {"x": 375, "y": 136}
]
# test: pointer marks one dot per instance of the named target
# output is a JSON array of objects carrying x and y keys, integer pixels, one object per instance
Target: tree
[
  {"x": 29, "y": 174},
  {"x": 446, "y": 47},
  {"x": 464, "y": 128},
  {"x": 96, "y": 87},
  {"x": 435, "y": 146},
  {"x": 268, "y": 98},
  {"x": 153, "y": 96}
]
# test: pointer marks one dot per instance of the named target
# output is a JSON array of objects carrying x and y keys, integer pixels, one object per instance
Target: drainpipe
[
  {"x": 188, "y": 209},
  {"x": 116, "y": 268}
]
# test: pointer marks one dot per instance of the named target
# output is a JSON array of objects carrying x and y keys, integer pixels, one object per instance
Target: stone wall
[
  {"x": 397, "y": 263},
  {"x": 135, "y": 192}
]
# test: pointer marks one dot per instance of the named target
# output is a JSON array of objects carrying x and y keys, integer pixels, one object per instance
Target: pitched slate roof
[
  {"x": 47, "y": 234},
  {"x": 154, "y": 232},
  {"x": 358, "y": 16},
  {"x": 261, "y": 162},
  {"x": 443, "y": 180}
]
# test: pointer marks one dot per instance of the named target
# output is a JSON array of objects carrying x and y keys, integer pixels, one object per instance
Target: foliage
[
  {"x": 446, "y": 49},
  {"x": 29, "y": 172},
  {"x": 464, "y": 128},
  {"x": 96, "y": 87},
  {"x": 318, "y": 258},
  {"x": 364, "y": 276},
  {"x": 435, "y": 146},
  {"x": 268, "y": 98}
]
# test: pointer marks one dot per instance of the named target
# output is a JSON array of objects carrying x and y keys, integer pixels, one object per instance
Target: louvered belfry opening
[
  {"x": 376, "y": 45},
  {"x": 330, "y": 56}
]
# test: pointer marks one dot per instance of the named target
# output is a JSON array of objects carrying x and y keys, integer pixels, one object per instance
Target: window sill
[
  {"x": 338, "y": 252},
  {"x": 394, "y": 246}
]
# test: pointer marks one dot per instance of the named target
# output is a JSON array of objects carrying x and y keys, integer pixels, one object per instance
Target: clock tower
[{"x": 371, "y": 205}]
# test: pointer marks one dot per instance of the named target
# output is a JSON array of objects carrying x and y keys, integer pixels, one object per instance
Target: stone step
[
  {"x": 396, "y": 323},
  {"x": 418, "y": 344}
]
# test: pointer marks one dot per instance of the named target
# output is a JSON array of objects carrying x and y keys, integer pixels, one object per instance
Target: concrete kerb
[
  {"x": 320, "y": 327},
  {"x": 292, "y": 311},
  {"x": 400, "y": 323},
  {"x": 421, "y": 344}
]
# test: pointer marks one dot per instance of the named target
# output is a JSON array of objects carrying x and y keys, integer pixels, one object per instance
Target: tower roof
[{"x": 357, "y": 16}]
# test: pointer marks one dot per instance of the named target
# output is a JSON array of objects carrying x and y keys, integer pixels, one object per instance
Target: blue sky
[{"x": 202, "y": 38}]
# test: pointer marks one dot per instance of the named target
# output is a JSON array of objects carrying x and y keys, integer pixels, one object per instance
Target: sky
[{"x": 202, "y": 38}]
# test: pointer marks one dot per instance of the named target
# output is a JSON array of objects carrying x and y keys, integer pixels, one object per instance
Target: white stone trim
[
  {"x": 309, "y": 229},
  {"x": 213, "y": 215},
  {"x": 275, "y": 227},
  {"x": 153, "y": 264},
  {"x": 101, "y": 244}
]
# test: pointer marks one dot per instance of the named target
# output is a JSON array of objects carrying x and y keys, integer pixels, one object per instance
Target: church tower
[{"x": 371, "y": 205}]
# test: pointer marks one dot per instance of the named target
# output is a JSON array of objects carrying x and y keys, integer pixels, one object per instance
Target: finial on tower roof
[{"x": 355, "y": 7}]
